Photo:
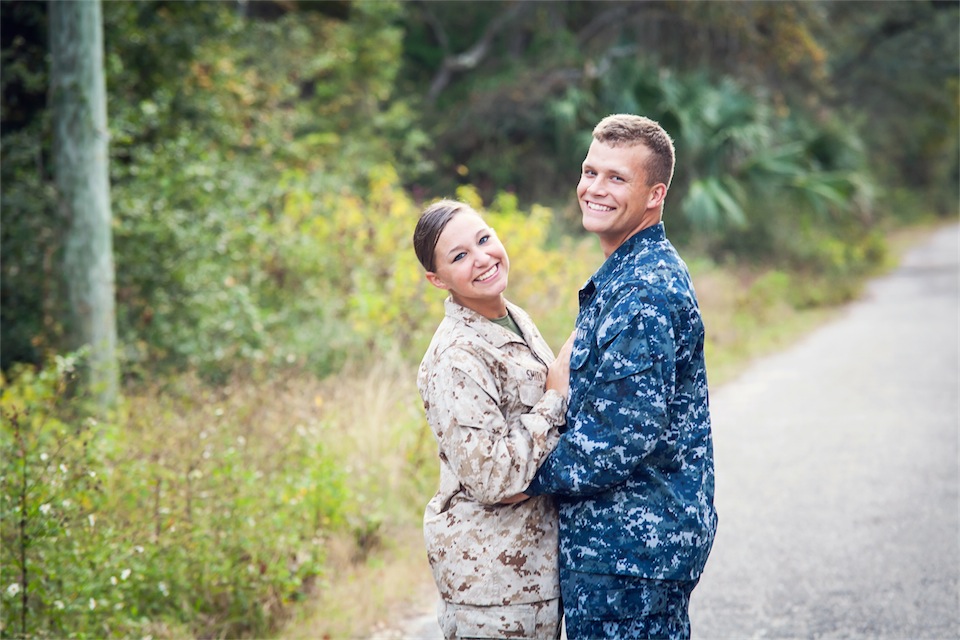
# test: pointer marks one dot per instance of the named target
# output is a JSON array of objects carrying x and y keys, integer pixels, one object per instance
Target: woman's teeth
[{"x": 489, "y": 273}]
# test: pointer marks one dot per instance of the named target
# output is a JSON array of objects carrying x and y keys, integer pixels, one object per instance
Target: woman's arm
[
  {"x": 558, "y": 379},
  {"x": 491, "y": 458}
]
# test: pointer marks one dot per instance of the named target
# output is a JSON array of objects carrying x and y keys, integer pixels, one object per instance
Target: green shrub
[{"x": 189, "y": 514}]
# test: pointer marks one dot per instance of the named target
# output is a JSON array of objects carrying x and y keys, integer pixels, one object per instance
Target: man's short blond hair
[{"x": 624, "y": 129}]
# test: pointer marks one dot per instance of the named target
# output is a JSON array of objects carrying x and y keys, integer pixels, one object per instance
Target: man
[{"x": 633, "y": 472}]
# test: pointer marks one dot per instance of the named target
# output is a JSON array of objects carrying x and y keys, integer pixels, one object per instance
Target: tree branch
[
  {"x": 473, "y": 56},
  {"x": 599, "y": 23}
]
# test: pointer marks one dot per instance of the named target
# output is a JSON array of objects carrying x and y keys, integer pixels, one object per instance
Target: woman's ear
[{"x": 435, "y": 280}]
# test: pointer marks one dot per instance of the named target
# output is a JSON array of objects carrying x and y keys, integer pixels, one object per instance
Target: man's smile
[{"x": 599, "y": 208}]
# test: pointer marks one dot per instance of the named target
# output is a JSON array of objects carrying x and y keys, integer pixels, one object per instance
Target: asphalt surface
[{"x": 837, "y": 474}]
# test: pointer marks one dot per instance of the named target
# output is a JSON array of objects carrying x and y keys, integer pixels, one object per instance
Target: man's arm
[{"x": 624, "y": 412}]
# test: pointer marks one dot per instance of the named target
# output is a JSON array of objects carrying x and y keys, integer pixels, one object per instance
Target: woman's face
[{"x": 472, "y": 264}]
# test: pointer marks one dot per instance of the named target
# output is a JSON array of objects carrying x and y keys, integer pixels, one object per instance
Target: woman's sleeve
[{"x": 492, "y": 459}]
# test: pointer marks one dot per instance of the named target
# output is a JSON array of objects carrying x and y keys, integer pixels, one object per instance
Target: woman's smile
[
  {"x": 489, "y": 273},
  {"x": 472, "y": 265}
]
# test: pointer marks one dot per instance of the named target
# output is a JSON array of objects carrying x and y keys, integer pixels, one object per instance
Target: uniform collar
[
  {"x": 631, "y": 245},
  {"x": 485, "y": 328}
]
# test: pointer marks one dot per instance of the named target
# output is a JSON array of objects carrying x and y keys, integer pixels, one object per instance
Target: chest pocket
[
  {"x": 532, "y": 385},
  {"x": 580, "y": 352}
]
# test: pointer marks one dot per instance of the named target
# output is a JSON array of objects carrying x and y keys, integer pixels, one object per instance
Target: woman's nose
[{"x": 481, "y": 258}]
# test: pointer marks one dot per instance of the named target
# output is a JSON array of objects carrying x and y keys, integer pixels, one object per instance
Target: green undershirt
[{"x": 508, "y": 322}]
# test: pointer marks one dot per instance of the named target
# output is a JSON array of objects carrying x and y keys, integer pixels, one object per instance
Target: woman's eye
[
  {"x": 483, "y": 240},
  {"x": 460, "y": 256}
]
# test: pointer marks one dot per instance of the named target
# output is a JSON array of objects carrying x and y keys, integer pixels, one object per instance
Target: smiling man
[{"x": 633, "y": 472}]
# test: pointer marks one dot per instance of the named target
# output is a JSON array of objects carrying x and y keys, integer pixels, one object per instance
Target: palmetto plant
[{"x": 736, "y": 152}]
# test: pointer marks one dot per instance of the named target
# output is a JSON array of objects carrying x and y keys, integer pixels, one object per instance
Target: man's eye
[{"x": 617, "y": 178}]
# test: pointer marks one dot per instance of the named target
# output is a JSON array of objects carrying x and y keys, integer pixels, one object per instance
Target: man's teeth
[
  {"x": 489, "y": 273},
  {"x": 598, "y": 207}
]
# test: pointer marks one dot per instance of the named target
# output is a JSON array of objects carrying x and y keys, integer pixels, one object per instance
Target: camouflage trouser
[
  {"x": 533, "y": 621},
  {"x": 605, "y": 606}
]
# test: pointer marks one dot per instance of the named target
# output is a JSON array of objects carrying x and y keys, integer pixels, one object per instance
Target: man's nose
[{"x": 595, "y": 187}]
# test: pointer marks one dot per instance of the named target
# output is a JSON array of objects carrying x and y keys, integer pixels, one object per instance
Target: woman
[{"x": 494, "y": 406}]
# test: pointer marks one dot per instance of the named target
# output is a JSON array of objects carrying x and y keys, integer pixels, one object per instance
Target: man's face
[{"x": 614, "y": 197}]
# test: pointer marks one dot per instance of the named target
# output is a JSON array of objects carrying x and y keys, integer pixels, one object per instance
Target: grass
[
  {"x": 740, "y": 329},
  {"x": 376, "y": 568}
]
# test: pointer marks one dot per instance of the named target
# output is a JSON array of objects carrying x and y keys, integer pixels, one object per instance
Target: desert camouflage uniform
[
  {"x": 539, "y": 620},
  {"x": 483, "y": 390},
  {"x": 633, "y": 473}
]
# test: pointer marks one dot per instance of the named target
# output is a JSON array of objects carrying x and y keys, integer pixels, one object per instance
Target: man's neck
[{"x": 608, "y": 246}]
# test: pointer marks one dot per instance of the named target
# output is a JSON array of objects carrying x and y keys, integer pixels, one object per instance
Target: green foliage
[
  {"x": 899, "y": 63},
  {"x": 189, "y": 516},
  {"x": 266, "y": 176},
  {"x": 200, "y": 146},
  {"x": 762, "y": 185},
  {"x": 29, "y": 242},
  {"x": 372, "y": 288},
  {"x": 254, "y": 108}
]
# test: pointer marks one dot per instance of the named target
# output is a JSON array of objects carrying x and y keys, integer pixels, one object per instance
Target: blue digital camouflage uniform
[{"x": 633, "y": 471}]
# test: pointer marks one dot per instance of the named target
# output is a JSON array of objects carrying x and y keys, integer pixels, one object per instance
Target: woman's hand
[{"x": 558, "y": 373}]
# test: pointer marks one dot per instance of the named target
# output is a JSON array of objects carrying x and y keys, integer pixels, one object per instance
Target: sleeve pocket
[{"x": 625, "y": 356}]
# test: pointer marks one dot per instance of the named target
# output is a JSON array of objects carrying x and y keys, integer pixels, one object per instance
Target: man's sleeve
[{"x": 624, "y": 411}]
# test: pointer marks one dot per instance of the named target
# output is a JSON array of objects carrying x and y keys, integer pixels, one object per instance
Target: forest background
[{"x": 267, "y": 465}]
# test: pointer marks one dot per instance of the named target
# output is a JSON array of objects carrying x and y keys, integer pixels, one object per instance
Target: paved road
[{"x": 837, "y": 474}]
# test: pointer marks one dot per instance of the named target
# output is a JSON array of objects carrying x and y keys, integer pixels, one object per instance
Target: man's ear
[
  {"x": 435, "y": 280},
  {"x": 657, "y": 195}
]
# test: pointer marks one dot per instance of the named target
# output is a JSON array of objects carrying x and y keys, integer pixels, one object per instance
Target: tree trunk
[{"x": 80, "y": 135}]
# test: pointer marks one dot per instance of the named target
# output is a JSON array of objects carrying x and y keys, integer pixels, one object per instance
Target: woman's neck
[{"x": 491, "y": 309}]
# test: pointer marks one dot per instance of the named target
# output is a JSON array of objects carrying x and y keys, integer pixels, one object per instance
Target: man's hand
[
  {"x": 558, "y": 373},
  {"x": 520, "y": 497}
]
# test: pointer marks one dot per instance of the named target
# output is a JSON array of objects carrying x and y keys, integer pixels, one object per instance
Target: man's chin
[{"x": 591, "y": 223}]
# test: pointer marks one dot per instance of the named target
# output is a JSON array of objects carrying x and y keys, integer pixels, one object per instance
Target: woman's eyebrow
[{"x": 456, "y": 249}]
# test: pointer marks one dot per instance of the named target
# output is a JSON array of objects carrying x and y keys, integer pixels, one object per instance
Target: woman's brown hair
[{"x": 429, "y": 227}]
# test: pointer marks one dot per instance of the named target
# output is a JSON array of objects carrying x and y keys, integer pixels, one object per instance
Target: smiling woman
[
  {"x": 472, "y": 264},
  {"x": 494, "y": 405}
]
